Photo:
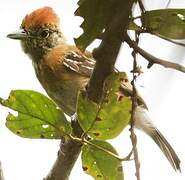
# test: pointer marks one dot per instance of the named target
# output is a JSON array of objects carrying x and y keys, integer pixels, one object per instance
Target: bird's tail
[{"x": 143, "y": 122}]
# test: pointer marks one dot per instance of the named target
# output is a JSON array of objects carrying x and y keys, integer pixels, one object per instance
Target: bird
[{"x": 63, "y": 70}]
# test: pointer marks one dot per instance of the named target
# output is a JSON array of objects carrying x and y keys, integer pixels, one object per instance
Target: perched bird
[{"x": 63, "y": 70}]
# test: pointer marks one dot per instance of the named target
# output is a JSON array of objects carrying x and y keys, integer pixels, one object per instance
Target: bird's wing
[
  {"x": 84, "y": 65},
  {"x": 79, "y": 63}
]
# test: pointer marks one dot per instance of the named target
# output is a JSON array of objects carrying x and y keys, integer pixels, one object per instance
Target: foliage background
[{"x": 162, "y": 89}]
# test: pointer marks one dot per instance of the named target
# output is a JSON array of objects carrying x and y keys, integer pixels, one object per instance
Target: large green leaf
[
  {"x": 38, "y": 116},
  {"x": 107, "y": 119},
  {"x": 99, "y": 164},
  {"x": 97, "y": 14},
  {"x": 169, "y": 23}
]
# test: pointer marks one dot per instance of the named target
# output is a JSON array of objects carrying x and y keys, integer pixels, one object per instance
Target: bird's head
[{"x": 39, "y": 32}]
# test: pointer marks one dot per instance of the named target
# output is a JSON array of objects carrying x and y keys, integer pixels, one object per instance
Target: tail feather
[
  {"x": 143, "y": 122},
  {"x": 165, "y": 148}
]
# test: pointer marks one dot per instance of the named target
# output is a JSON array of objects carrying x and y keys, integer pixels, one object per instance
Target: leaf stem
[{"x": 84, "y": 141}]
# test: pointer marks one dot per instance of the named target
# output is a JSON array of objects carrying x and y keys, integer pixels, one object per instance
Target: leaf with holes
[
  {"x": 100, "y": 164},
  {"x": 169, "y": 23},
  {"x": 98, "y": 15},
  {"x": 107, "y": 119},
  {"x": 38, "y": 116}
]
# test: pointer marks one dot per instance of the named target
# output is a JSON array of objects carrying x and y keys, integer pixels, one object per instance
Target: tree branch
[
  {"x": 152, "y": 59},
  {"x": 105, "y": 56},
  {"x": 67, "y": 156},
  {"x": 108, "y": 50},
  {"x": 134, "y": 106},
  {"x": 1, "y": 172}
]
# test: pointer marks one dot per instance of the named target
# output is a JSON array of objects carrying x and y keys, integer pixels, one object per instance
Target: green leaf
[
  {"x": 169, "y": 23},
  {"x": 99, "y": 164},
  {"x": 38, "y": 116},
  {"x": 107, "y": 119},
  {"x": 98, "y": 15}
]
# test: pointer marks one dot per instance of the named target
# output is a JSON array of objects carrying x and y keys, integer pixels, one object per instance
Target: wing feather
[{"x": 79, "y": 63}]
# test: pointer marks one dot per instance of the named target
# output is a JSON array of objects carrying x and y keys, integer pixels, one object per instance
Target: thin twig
[
  {"x": 128, "y": 157},
  {"x": 168, "y": 3},
  {"x": 152, "y": 59},
  {"x": 134, "y": 105},
  {"x": 1, "y": 172},
  {"x": 141, "y": 5}
]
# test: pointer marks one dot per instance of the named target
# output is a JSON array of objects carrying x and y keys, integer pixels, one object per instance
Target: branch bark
[
  {"x": 108, "y": 50},
  {"x": 67, "y": 155}
]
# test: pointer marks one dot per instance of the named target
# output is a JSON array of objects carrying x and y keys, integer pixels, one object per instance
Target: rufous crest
[{"x": 39, "y": 17}]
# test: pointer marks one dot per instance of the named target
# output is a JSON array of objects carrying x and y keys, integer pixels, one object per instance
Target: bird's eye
[{"x": 45, "y": 34}]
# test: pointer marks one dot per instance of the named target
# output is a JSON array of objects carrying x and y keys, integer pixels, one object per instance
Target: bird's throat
[{"x": 35, "y": 53}]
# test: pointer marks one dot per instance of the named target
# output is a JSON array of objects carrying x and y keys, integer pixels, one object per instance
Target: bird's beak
[{"x": 19, "y": 35}]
